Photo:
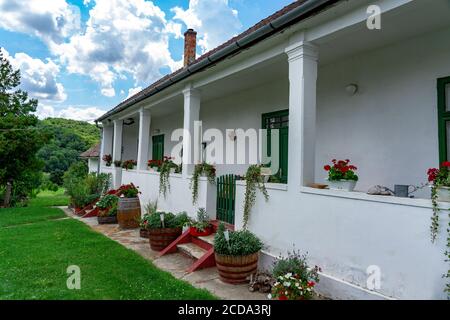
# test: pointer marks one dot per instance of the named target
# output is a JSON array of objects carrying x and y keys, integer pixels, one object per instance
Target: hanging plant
[
  {"x": 254, "y": 180},
  {"x": 167, "y": 167},
  {"x": 440, "y": 180},
  {"x": 200, "y": 169}
]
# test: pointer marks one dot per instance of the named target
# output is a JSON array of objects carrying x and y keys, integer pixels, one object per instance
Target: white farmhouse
[{"x": 362, "y": 80}]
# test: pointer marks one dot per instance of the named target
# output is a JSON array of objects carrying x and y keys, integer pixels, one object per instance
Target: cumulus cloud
[
  {"x": 203, "y": 16},
  {"x": 38, "y": 77},
  {"x": 51, "y": 20},
  {"x": 133, "y": 91},
  {"x": 88, "y": 114},
  {"x": 122, "y": 37}
]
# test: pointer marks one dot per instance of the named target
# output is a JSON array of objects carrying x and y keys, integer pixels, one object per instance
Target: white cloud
[
  {"x": 38, "y": 78},
  {"x": 51, "y": 20},
  {"x": 214, "y": 20},
  {"x": 122, "y": 37},
  {"x": 88, "y": 114},
  {"x": 133, "y": 91}
]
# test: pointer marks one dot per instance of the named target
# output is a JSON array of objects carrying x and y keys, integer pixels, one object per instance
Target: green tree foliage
[
  {"x": 20, "y": 137},
  {"x": 70, "y": 138}
]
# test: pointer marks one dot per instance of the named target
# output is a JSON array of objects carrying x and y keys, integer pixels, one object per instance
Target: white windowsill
[
  {"x": 410, "y": 202},
  {"x": 269, "y": 186}
]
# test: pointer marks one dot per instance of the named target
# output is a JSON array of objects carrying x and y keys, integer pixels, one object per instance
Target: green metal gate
[{"x": 226, "y": 198}]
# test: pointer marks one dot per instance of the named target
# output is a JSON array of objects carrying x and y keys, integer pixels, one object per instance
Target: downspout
[{"x": 101, "y": 147}]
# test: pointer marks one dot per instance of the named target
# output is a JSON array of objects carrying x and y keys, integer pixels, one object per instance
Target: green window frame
[
  {"x": 278, "y": 120},
  {"x": 158, "y": 147},
  {"x": 443, "y": 88}
]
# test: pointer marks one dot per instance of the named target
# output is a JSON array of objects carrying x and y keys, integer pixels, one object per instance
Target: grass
[
  {"x": 50, "y": 199},
  {"x": 36, "y": 250}
]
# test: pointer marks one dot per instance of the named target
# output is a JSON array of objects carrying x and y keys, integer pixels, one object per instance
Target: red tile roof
[
  {"x": 93, "y": 152},
  {"x": 147, "y": 91}
]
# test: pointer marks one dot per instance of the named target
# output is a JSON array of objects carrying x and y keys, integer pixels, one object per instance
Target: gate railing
[{"x": 226, "y": 198}]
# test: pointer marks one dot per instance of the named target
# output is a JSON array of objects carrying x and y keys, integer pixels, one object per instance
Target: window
[
  {"x": 158, "y": 147},
  {"x": 278, "y": 120},
  {"x": 444, "y": 118}
]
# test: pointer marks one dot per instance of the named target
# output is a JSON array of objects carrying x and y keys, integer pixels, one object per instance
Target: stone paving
[{"x": 176, "y": 263}]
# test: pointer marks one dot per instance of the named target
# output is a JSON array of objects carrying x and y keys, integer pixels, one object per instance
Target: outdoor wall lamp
[
  {"x": 351, "y": 89},
  {"x": 129, "y": 122}
]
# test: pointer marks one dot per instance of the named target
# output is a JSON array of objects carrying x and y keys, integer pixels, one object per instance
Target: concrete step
[
  {"x": 191, "y": 250},
  {"x": 209, "y": 239}
]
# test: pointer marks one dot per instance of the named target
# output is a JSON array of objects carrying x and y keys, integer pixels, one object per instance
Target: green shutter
[
  {"x": 443, "y": 118},
  {"x": 158, "y": 147}
]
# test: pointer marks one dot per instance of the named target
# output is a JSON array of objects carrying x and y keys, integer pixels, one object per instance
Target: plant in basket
[
  {"x": 108, "y": 160},
  {"x": 107, "y": 209},
  {"x": 341, "y": 175},
  {"x": 129, "y": 209},
  {"x": 129, "y": 164},
  {"x": 164, "y": 228},
  {"x": 201, "y": 227},
  {"x": 236, "y": 254},
  {"x": 117, "y": 163},
  {"x": 167, "y": 167},
  {"x": 155, "y": 164},
  {"x": 150, "y": 209},
  {"x": 295, "y": 280},
  {"x": 129, "y": 191},
  {"x": 203, "y": 169}
]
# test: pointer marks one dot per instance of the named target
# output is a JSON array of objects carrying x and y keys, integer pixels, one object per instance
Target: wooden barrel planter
[
  {"x": 236, "y": 269},
  {"x": 161, "y": 238},
  {"x": 107, "y": 220},
  {"x": 129, "y": 213},
  {"x": 144, "y": 233}
]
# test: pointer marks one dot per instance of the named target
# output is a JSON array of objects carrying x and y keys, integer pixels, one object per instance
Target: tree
[{"x": 20, "y": 139}]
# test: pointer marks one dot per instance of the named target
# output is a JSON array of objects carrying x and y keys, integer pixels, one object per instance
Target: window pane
[
  {"x": 447, "y": 97},
  {"x": 447, "y": 133}
]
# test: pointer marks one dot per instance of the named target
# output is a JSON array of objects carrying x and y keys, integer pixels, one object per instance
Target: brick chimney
[{"x": 190, "y": 46}]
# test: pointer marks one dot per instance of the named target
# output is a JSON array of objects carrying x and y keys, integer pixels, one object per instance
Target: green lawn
[
  {"x": 50, "y": 199},
  {"x": 36, "y": 249}
]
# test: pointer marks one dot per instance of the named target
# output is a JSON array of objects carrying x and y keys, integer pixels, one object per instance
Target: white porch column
[
  {"x": 144, "y": 139},
  {"x": 117, "y": 146},
  {"x": 303, "y": 60},
  {"x": 107, "y": 141},
  {"x": 191, "y": 138}
]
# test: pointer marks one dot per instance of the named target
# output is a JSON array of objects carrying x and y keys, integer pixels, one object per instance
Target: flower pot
[
  {"x": 107, "y": 220},
  {"x": 129, "y": 213},
  {"x": 161, "y": 238},
  {"x": 236, "y": 269},
  {"x": 196, "y": 233},
  {"x": 172, "y": 170},
  {"x": 443, "y": 194},
  {"x": 342, "y": 185},
  {"x": 143, "y": 233}
]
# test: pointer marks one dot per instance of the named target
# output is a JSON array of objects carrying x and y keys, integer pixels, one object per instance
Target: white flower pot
[
  {"x": 342, "y": 185},
  {"x": 443, "y": 194},
  {"x": 172, "y": 170}
]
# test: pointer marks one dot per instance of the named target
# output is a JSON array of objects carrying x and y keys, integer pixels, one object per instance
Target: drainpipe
[{"x": 101, "y": 147}]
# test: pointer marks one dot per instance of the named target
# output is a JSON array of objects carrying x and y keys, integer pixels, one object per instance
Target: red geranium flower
[{"x": 327, "y": 168}]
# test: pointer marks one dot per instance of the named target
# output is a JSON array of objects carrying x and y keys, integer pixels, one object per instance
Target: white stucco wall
[
  {"x": 130, "y": 141},
  {"x": 389, "y": 128},
  {"x": 93, "y": 164}
]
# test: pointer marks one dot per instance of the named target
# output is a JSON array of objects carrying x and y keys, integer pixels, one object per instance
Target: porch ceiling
[
  {"x": 275, "y": 69},
  {"x": 414, "y": 19}
]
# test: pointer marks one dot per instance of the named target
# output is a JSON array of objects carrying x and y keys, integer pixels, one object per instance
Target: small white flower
[
  {"x": 286, "y": 293},
  {"x": 297, "y": 284},
  {"x": 269, "y": 296},
  {"x": 288, "y": 275}
]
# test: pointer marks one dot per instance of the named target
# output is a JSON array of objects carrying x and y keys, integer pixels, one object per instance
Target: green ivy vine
[
  {"x": 200, "y": 169},
  {"x": 254, "y": 180}
]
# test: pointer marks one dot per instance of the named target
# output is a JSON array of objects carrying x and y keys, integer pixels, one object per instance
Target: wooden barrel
[
  {"x": 143, "y": 233},
  {"x": 107, "y": 220},
  {"x": 129, "y": 213},
  {"x": 161, "y": 238},
  {"x": 236, "y": 269}
]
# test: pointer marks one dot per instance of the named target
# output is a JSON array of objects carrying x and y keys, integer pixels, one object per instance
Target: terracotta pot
[
  {"x": 144, "y": 233},
  {"x": 236, "y": 269},
  {"x": 196, "y": 233},
  {"x": 161, "y": 238},
  {"x": 129, "y": 213},
  {"x": 107, "y": 220}
]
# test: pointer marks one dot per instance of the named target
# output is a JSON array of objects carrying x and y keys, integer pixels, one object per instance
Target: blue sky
[{"x": 83, "y": 57}]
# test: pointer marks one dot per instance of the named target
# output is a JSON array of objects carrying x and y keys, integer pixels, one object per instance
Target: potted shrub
[
  {"x": 150, "y": 209},
  {"x": 202, "y": 226},
  {"x": 107, "y": 209},
  {"x": 236, "y": 254},
  {"x": 118, "y": 164},
  {"x": 129, "y": 164},
  {"x": 129, "y": 207},
  {"x": 108, "y": 160},
  {"x": 164, "y": 228},
  {"x": 202, "y": 170},
  {"x": 167, "y": 167},
  {"x": 341, "y": 175},
  {"x": 440, "y": 192},
  {"x": 154, "y": 165},
  {"x": 295, "y": 280}
]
